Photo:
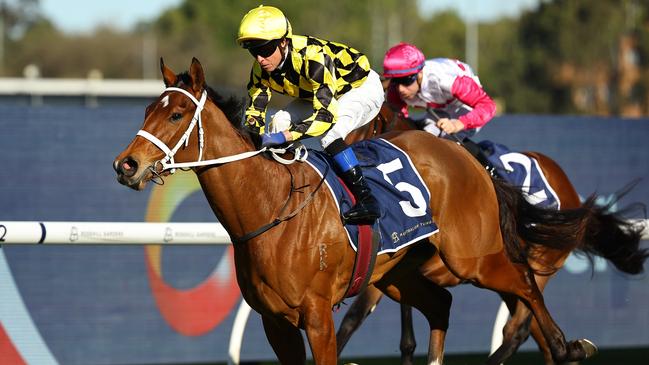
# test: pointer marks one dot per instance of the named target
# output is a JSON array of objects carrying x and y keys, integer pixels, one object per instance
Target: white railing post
[{"x": 236, "y": 335}]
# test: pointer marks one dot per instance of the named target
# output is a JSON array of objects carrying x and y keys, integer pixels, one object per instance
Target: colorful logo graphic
[{"x": 195, "y": 311}]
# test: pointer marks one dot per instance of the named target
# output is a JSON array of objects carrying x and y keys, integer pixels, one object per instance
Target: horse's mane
[{"x": 232, "y": 106}]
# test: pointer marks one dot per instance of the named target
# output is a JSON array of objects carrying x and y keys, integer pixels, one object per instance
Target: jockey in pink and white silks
[{"x": 448, "y": 89}]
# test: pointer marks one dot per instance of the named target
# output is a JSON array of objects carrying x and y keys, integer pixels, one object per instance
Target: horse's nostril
[{"x": 127, "y": 166}]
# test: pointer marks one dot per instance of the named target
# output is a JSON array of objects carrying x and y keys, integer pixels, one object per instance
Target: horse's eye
[{"x": 175, "y": 117}]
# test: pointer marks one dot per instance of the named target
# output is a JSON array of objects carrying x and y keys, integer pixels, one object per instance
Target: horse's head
[{"x": 169, "y": 132}]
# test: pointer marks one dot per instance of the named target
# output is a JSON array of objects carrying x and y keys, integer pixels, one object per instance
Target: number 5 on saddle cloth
[{"x": 406, "y": 216}]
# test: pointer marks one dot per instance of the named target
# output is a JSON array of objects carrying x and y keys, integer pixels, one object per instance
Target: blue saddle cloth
[
  {"x": 522, "y": 171},
  {"x": 406, "y": 216}
]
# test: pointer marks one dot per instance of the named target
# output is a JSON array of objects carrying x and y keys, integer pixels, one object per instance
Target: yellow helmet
[{"x": 264, "y": 23}]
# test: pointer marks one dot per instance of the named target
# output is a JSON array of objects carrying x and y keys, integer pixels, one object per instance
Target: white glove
[
  {"x": 279, "y": 122},
  {"x": 431, "y": 127}
]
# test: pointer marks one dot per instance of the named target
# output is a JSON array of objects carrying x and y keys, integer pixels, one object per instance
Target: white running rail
[
  {"x": 111, "y": 233},
  {"x": 125, "y": 233}
]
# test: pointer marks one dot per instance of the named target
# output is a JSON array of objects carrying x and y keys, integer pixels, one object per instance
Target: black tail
[
  {"x": 590, "y": 228},
  {"x": 618, "y": 239}
]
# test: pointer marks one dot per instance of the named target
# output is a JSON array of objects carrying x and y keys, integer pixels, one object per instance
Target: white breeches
[{"x": 356, "y": 108}]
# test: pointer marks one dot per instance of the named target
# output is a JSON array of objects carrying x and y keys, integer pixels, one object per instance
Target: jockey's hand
[
  {"x": 273, "y": 139},
  {"x": 280, "y": 121},
  {"x": 450, "y": 126},
  {"x": 429, "y": 125}
]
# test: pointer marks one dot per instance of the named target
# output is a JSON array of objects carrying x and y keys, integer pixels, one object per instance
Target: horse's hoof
[{"x": 589, "y": 348}]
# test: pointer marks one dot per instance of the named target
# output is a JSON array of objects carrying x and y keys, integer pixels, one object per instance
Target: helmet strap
[{"x": 283, "y": 51}]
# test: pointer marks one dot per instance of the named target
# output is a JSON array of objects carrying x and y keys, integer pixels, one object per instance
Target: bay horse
[
  {"x": 547, "y": 261},
  {"x": 294, "y": 272}
]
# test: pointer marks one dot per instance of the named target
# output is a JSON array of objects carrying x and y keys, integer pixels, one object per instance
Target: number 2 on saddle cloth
[{"x": 518, "y": 170}]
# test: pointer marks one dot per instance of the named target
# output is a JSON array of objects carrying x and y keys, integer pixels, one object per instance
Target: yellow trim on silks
[
  {"x": 315, "y": 70},
  {"x": 264, "y": 23}
]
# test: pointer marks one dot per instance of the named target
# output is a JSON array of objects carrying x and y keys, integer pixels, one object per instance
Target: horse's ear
[
  {"x": 197, "y": 75},
  {"x": 168, "y": 76}
]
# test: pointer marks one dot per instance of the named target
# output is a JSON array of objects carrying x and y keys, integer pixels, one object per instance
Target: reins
[
  {"x": 248, "y": 236},
  {"x": 168, "y": 163},
  {"x": 477, "y": 154},
  {"x": 432, "y": 112}
]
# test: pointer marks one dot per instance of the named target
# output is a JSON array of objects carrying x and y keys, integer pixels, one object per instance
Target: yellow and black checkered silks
[{"x": 316, "y": 70}]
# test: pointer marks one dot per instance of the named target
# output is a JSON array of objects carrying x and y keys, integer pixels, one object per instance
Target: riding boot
[
  {"x": 366, "y": 210},
  {"x": 475, "y": 150}
]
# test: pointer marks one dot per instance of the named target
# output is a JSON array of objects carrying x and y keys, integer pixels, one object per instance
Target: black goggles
[
  {"x": 264, "y": 50},
  {"x": 405, "y": 81}
]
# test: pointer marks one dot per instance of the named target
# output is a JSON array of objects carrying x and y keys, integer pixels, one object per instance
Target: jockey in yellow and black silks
[{"x": 334, "y": 80}]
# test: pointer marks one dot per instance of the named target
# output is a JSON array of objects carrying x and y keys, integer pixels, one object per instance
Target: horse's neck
[{"x": 243, "y": 194}]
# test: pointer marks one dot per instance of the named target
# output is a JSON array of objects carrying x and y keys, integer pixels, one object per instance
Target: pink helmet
[{"x": 404, "y": 59}]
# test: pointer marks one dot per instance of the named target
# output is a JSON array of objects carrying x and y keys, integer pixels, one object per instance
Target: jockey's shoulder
[{"x": 315, "y": 43}]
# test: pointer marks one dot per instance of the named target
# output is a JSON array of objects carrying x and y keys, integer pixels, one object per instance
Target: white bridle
[{"x": 167, "y": 163}]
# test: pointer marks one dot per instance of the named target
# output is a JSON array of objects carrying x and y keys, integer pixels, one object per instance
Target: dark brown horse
[
  {"x": 546, "y": 262},
  {"x": 294, "y": 272}
]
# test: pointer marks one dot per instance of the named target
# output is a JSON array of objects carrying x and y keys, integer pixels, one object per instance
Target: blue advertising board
[{"x": 172, "y": 304}]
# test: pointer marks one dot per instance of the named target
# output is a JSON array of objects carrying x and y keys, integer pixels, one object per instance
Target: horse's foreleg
[
  {"x": 519, "y": 327},
  {"x": 362, "y": 306},
  {"x": 498, "y": 273},
  {"x": 408, "y": 342},
  {"x": 285, "y": 339},
  {"x": 534, "y": 329},
  {"x": 433, "y": 301},
  {"x": 320, "y": 331},
  {"x": 437, "y": 311},
  {"x": 537, "y": 334},
  {"x": 515, "y": 332}
]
